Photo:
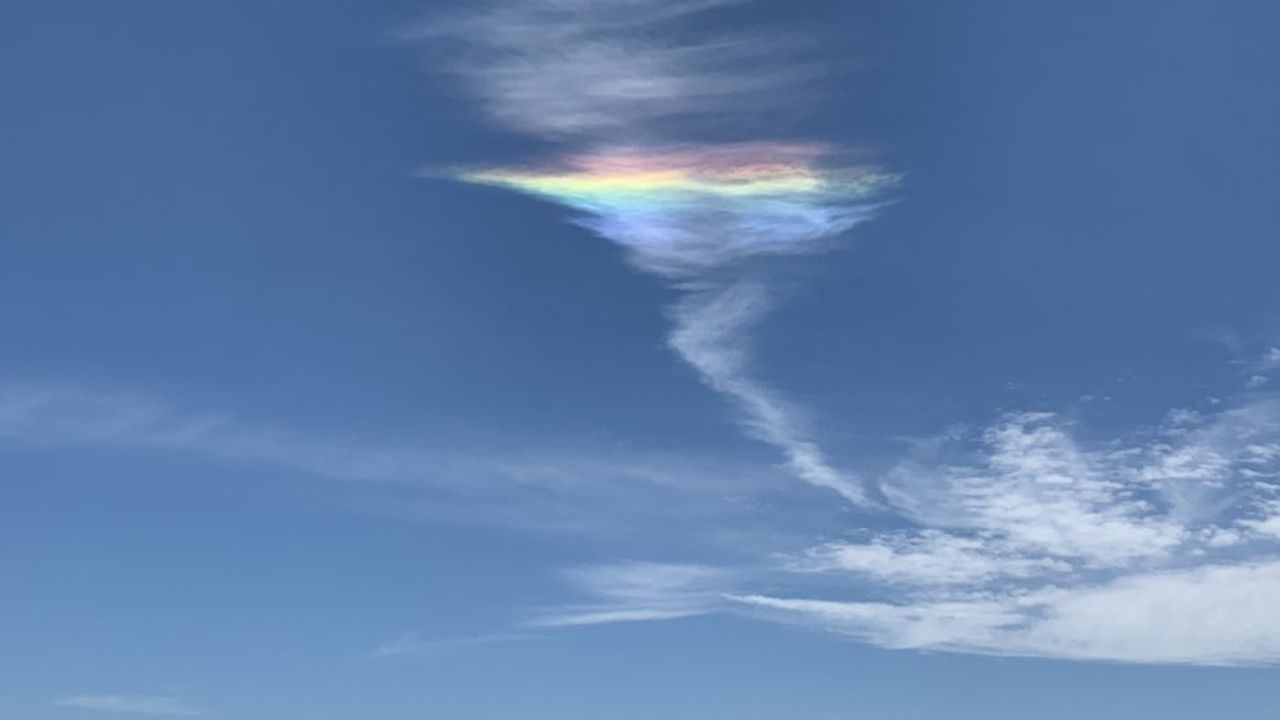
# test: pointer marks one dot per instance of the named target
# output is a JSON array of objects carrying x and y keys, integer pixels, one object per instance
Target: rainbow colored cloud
[{"x": 683, "y": 209}]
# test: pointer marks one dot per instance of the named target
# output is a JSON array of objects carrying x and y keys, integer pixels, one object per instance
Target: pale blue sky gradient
[{"x": 288, "y": 430}]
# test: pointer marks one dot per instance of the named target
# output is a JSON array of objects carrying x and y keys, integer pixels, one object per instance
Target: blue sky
[{"x": 299, "y": 420}]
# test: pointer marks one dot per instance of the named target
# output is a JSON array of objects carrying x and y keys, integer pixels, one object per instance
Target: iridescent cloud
[
  {"x": 624, "y": 83},
  {"x": 690, "y": 214},
  {"x": 682, "y": 210}
]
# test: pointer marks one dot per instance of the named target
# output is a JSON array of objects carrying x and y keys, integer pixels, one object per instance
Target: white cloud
[
  {"x": 940, "y": 624},
  {"x": 1020, "y": 539},
  {"x": 638, "y": 591},
  {"x": 1025, "y": 539},
  {"x": 1038, "y": 493},
  {"x": 1211, "y": 615},
  {"x": 929, "y": 557},
  {"x": 637, "y": 77},
  {"x": 576, "y": 488},
  {"x": 592, "y": 69},
  {"x": 1265, "y": 521},
  {"x": 711, "y": 333},
  {"x": 155, "y": 706},
  {"x": 413, "y": 644}
]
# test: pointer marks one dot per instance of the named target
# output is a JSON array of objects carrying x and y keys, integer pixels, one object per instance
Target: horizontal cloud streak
[
  {"x": 152, "y": 706},
  {"x": 1209, "y": 615},
  {"x": 640, "y": 592},
  {"x": 581, "y": 488}
]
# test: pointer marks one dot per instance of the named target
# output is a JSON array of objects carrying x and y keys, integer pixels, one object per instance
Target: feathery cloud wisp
[
  {"x": 696, "y": 216},
  {"x": 640, "y": 591},
  {"x": 583, "y": 488},
  {"x": 593, "y": 70},
  {"x": 1026, "y": 539},
  {"x": 154, "y": 706},
  {"x": 593, "y": 74},
  {"x": 1160, "y": 550}
]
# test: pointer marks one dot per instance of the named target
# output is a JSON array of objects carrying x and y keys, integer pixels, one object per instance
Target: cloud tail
[{"x": 711, "y": 334}]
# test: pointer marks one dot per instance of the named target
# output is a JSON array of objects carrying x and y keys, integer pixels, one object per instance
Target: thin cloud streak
[
  {"x": 152, "y": 706},
  {"x": 711, "y": 329},
  {"x": 413, "y": 644},
  {"x": 562, "y": 489},
  {"x": 639, "y": 592}
]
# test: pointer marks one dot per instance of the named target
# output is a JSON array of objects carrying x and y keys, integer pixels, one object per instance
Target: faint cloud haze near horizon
[{"x": 144, "y": 705}]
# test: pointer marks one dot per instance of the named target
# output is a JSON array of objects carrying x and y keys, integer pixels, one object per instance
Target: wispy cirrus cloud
[
  {"x": 622, "y": 84},
  {"x": 1028, "y": 538},
  {"x": 1021, "y": 538},
  {"x": 588, "y": 71},
  {"x": 415, "y": 645},
  {"x": 1210, "y": 614},
  {"x": 1025, "y": 537},
  {"x": 1032, "y": 541},
  {"x": 638, "y": 592},
  {"x": 148, "y": 705},
  {"x": 576, "y": 488}
]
